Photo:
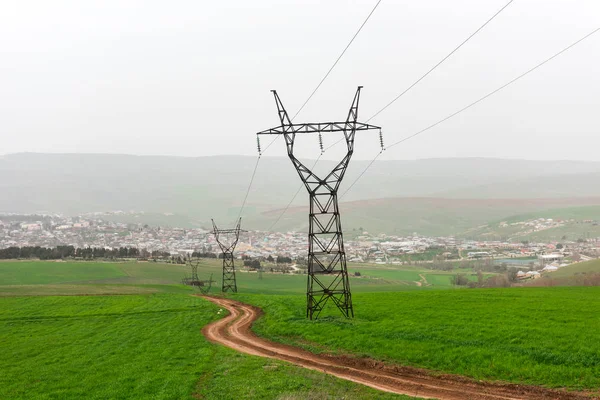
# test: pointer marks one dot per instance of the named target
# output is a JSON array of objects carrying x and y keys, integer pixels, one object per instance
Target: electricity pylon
[
  {"x": 194, "y": 265},
  {"x": 227, "y": 245},
  {"x": 194, "y": 280},
  {"x": 327, "y": 271}
]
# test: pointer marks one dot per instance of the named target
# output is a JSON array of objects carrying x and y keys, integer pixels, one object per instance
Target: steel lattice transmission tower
[
  {"x": 194, "y": 266},
  {"x": 327, "y": 271},
  {"x": 193, "y": 280},
  {"x": 227, "y": 240},
  {"x": 202, "y": 285}
]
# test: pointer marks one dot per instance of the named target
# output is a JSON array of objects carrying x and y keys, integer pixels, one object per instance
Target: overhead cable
[
  {"x": 440, "y": 62},
  {"x": 249, "y": 186},
  {"x": 415, "y": 83},
  {"x": 338, "y": 59},
  {"x": 473, "y": 103}
]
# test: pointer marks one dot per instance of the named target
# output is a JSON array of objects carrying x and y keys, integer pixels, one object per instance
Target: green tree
[{"x": 459, "y": 280}]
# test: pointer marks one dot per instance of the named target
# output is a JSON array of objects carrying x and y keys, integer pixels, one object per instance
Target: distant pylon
[
  {"x": 227, "y": 240},
  {"x": 327, "y": 271},
  {"x": 194, "y": 266}
]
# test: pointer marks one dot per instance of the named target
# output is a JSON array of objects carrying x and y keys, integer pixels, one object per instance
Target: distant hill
[
  {"x": 433, "y": 216},
  {"x": 558, "y": 185},
  {"x": 586, "y": 267},
  {"x": 576, "y": 222},
  {"x": 393, "y": 196}
]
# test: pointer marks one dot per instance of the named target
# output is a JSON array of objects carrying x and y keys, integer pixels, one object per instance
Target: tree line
[
  {"x": 91, "y": 253},
  {"x": 86, "y": 253}
]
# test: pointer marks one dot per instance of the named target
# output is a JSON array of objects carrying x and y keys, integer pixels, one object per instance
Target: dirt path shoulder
[{"x": 234, "y": 331}]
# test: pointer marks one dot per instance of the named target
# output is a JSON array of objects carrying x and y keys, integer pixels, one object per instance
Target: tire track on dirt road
[{"x": 234, "y": 331}]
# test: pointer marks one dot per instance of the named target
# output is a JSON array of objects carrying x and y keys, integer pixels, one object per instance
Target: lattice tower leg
[
  {"x": 195, "y": 272},
  {"x": 229, "y": 282},
  {"x": 327, "y": 270}
]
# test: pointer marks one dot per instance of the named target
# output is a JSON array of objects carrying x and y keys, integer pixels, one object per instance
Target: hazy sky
[{"x": 192, "y": 78}]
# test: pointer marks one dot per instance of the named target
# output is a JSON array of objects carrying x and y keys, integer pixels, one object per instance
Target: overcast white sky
[{"x": 192, "y": 78}]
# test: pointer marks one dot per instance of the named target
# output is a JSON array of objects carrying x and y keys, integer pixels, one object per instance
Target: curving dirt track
[{"x": 234, "y": 331}]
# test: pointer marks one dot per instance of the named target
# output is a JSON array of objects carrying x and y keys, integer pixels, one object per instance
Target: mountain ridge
[{"x": 214, "y": 186}]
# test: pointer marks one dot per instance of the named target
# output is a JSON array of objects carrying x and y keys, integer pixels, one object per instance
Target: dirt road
[{"x": 234, "y": 331}]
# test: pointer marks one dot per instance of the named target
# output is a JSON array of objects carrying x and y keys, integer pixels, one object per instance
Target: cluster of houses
[{"x": 93, "y": 231}]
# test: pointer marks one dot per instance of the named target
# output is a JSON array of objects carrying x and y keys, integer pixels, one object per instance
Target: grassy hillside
[
  {"x": 571, "y": 231},
  {"x": 125, "y": 347},
  {"x": 543, "y": 336},
  {"x": 578, "y": 213},
  {"x": 577, "y": 222},
  {"x": 426, "y": 216},
  {"x": 586, "y": 267}
]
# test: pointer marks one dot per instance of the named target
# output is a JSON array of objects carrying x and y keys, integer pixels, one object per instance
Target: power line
[
  {"x": 474, "y": 103},
  {"x": 338, "y": 59},
  {"x": 361, "y": 174},
  {"x": 441, "y": 61},
  {"x": 497, "y": 90},
  {"x": 249, "y": 186},
  {"x": 415, "y": 83}
]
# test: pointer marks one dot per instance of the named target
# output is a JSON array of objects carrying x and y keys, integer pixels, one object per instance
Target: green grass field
[
  {"x": 411, "y": 276},
  {"x": 140, "y": 346},
  {"x": 147, "y": 343},
  {"x": 543, "y": 336},
  {"x": 68, "y": 331},
  {"x": 44, "y": 272},
  {"x": 55, "y": 278}
]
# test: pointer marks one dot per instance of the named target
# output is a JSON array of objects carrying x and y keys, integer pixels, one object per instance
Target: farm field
[
  {"x": 82, "y": 277},
  {"x": 140, "y": 346},
  {"x": 539, "y": 336},
  {"x": 411, "y": 275}
]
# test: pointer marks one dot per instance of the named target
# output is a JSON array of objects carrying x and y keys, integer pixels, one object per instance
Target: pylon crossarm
[
  {"x": 226, "y": 231},
  {"x": 323, "y": 127}
]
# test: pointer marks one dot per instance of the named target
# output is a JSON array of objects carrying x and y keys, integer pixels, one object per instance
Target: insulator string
[
  {"x": 321, "y": 142},
  {"x": 258, "y": 145}
]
